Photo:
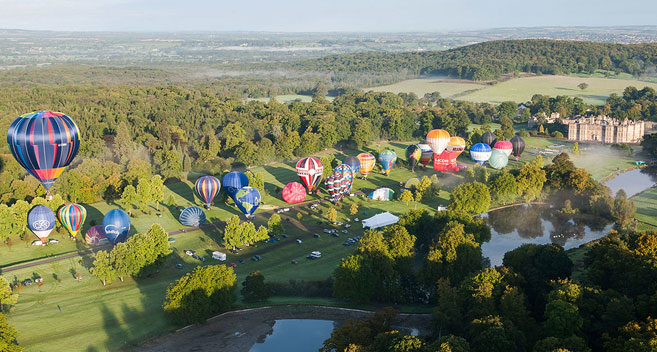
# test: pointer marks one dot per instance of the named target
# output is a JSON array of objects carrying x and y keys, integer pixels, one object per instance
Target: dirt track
[{"x": 239, "y": 330}]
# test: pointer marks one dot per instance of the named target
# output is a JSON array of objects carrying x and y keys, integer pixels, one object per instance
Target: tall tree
[{"x": 102, "y": 268}]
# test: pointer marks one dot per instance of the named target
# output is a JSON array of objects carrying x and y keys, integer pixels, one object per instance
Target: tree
[
  {"x": 583, "y": 85},
  {"x": 198, "y": 295},
  {"x": 623, "y": 209},
  {"x": 254, "y": 288},
  {"x": 256, "y": 181},
  {"x": 8, "y": 336},
  {"x": 504, "y": 188},
  {"x": 454, "y": 255},
  {"x": 102, "y": 268},
  {"x": 406, "y": 196},
  {"x": 274, "y": 225},
  {"x": 121, "y": 260},
  {"x": 575, "y": 149},
  {"x": 353, "y": 209},
  {"x": 332, "y": 215},
  {"x": 472, "y": 197},
  {"x": 232, "y": 237},
  {"x": 531, "y": 179},
  {"x": 7, "y": 297},
  {"x": 562, "y": 319},
  {"x": 128, "y": 198},
  {"x": 157, "y": 191},
  {"x": 144, "y": 194}
]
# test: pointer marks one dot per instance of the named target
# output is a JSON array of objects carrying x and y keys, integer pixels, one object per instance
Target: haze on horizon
[{"x": 322, "y": 16}]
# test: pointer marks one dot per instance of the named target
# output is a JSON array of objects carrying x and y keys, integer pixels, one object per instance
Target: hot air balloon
[
  {"x": 294, "y": 192},
  {"x": 498, "y": 159},
  {"x": 247, "y": 200},
  {"x": 353, "y": 163},
  {"x": 488, "y": 138},
  {"x": 367, "y": 162},
  {"x": 192, "y": 216},
  {"x": 44, "y": 143},
  {"x": 233, "y": 181},
  {"x": 438, "y": 140},
  {"x": 413, "y": 154},
  {"x": 95, "y": 236},
  {"x": 345, "y": 173},
  {"x": 504, "y": 146},
  {"x": 41, "y": 220},
  {"x": 339, "y": 182},
  {"x": 387, "y": 159},
  {"x": 207, "y": 188},
  {"x": 446, "y": 161},
  {"x": 72, "y": 217},
  {"x": 427, "y": 154},
  {"x": 456, "y": 144},
  {"x": 310, "y": 172},
  {"x": 480, "y": 153},
  {"x": 116, "y": 225},
  {"x": 518, "y": 146}
]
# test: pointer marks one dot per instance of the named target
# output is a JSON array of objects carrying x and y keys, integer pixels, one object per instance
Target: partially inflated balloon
[
  {"x": 44, "y": 143},
  {"x": 438, "y": 140},
  {"x": 72, "y": 217},
  {"x": 41, "y": 220},
  {"x": 413, "y": 154},
  {"x": 207, "y": 188},
  {"x": 504, "y": 146},
  {"x": 353, "y": 163},
  {"x": 294, "y": 192},
  {"x": 116, "y": 224},
  {"x": 488, "y": 138},
  {"x": 310, "y": 172},
  {"x": 192, "y": 216},
  {"x": 95, "y": 236},
  {"x": 518, "y": 146},
  {"x": 427, "y": 154},
  {"x": 498, "y": 159},
  {"x": 387, "y": 159},
  {"x": 247, "y": 200},
  {"x": 446, "y": 161},
  {"x": 367, "y": 162},
  {"x": 233, "y": 181},
  {"x": 480, "y": 153}
]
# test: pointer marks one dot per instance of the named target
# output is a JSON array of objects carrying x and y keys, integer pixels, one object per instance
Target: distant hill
[{"x": 489, "y": 60}]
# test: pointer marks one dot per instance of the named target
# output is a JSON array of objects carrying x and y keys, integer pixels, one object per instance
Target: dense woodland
[{"x": 490, "y": 60}]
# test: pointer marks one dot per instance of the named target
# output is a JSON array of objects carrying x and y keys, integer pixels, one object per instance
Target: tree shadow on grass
[{"x": 183, "y": 190}]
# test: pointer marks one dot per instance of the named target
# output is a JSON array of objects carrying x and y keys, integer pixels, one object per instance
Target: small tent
[
  {"x": 219, "y": 255},
  {"x": 380, "y": 220},
  {"x": 382, "y": 194}
]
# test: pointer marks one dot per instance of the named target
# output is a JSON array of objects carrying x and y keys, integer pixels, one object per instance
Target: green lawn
[
  {"x": 422, "y": 86},
  {"x": 646, "y": 206},
  {"x": 289, "y": 98}
]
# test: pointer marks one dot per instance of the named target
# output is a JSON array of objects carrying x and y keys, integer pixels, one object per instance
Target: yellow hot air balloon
[
  {"x": 367, "y": 162},
  {"x": 456, "y": 144},
  {"x": 438, "y": 140}
]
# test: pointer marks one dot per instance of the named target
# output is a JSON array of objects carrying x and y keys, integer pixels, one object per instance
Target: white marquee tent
[{"x": 380, "y": 220}]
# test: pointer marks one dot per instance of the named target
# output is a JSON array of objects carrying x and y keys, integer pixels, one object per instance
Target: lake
[
  {"x": 295, "y": 335},
  {"x": 538, "y": 224},
  {"x": 633, "y": 182}
]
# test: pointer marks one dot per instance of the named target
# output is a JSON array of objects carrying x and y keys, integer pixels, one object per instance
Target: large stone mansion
[{"x": 604, "y": 129}]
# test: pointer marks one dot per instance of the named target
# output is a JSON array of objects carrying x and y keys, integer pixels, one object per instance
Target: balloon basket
[{"x": 48, "y": 196}]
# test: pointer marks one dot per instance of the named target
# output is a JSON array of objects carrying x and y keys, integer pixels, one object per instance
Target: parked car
[
  {"x": 356, "y": 219},
  {"x": 327, "y": 231},
  {"x": 27, "y": 282},
  {"x": 284, "y": 236},
  {"x": 345, "y": 231},
  {"x": 295, "y": 262},
  {"x": 232, "y": 265},
  {"x": 190, "y": 252},
  {"x": 316, "y": 235},
  {"x": 179, "y": 266},
  {"x": 241, "y": 261},
  {"x": 298, "y": 241},
  {"x": 335, "y": 234},
  {"x": 347, "y": 226}
]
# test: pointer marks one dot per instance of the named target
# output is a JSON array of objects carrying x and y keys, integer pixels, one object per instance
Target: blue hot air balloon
[
  {"x": 192, "y": 216},
  {"x": 247, "y": 200},
  {"x": 207, "y": 188},
  {"x": 353, "y": 163},
  {"x": 41, "y": 220},
  {"x": 116, "y": 225},
  {"x": 387, "y": 159},
  {"x": 233, "y": 181},
  {"x": 480, "y": 153}
]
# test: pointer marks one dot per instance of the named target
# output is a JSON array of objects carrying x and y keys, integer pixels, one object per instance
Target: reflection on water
[
  {"x": 537, "y": 224},
  {"x": 633, "y": 181},
  {"x": 295, "y": 335}
]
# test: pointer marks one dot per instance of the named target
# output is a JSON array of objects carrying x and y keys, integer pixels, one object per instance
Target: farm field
[
  {"x": 422, "y": 86},
  {"x": 289, "y": 98}
]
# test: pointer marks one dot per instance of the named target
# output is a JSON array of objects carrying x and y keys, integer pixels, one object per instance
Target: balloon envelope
[
  {"x": 518, "y": 146},
  {"x": 96, "y": 236},
  {"x": 387, "y": 159},
  {"x": 488, "y": 138},
  {"x": 504, "y": 146},
  {"x": 41, "y": 220},
  {"x": 233, "y": 181},
  {"x": 72, "y": 216},
  {"x": 438, "y": 140},
  {"x": 446, "y": 161},
  {"x": 353, "y": 163},
  {"x": 480, "y": 153},
  {"x": 456, "y": 144},
  {"x": 427, "y": 154},
  {"x": 116, "y": 225},
  {"x": 413, "y": 154},
  {"x": 192, "y": 216},
  {"x": 339, "y": 182},
  {"x": 310, "y": 172},
  {"x": 367, "y": 162},
  {"x": 294, "y": 192},
  {"x": 498, "y": 159},
  {"x": 44, "y": 143},
  {"x": 247, "y": 200},
  {"x": 207, "y": 188}
]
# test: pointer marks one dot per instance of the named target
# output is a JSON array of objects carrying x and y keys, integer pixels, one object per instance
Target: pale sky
[{"x": 318, "y": 16}]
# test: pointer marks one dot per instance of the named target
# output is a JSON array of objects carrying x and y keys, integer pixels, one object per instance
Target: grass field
[
  {"x": 519, "y": 89},
  {"x": 646, "y": 206},
  {"x": 289, "y": 98}
]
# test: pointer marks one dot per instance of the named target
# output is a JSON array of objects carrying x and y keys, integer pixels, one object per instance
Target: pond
[
  {"x": 295, "y": 335},
  {"x": 538, "y": 224},
  {"x": 633, "y": 182}
]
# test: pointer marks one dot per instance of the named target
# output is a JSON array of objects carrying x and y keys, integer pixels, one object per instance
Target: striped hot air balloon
[
  {"x": 480, "y": 153},
  {"x": 310, "y": 172},
  {"x": 192, "y": 216},
  {"x": 387, "y": 159},
  {"x": 367, "y": 162},
  {"x": 72, "y": 216},
  {"x": 438, "y": 140},
  {"x": 498, "y": 159},
  {"x": 413, "y": 154},
  {"x": 44, "y": 143},
  {"x": 427, "y": 154},
  {"x": 207, "y": 188},
  {"x": 504, "y": 146}
]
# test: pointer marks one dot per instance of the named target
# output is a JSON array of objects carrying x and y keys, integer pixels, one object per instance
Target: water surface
[
  {"x": 633, "y": 182},
  {"x": 295, "y": 335}
]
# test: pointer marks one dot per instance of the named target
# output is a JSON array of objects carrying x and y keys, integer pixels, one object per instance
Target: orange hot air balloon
[
  {"x": 367, "y": 162},
  {"x": 456, "y": 144},
  {"x": 438, "y": 140}
]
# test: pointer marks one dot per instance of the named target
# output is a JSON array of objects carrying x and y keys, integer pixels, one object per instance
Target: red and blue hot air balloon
[
  {"x": 207, "y": 188},
  {"x": 72, "y": 216},
  {"x": 233, "y": 182},
  {"x": 44, "y": 143}
]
